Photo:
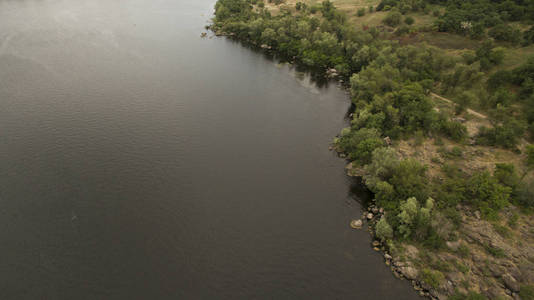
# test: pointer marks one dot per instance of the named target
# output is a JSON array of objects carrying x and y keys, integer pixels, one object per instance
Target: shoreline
[{"x": 461, "y": 249}]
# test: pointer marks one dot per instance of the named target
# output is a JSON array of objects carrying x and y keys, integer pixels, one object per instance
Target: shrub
[
  {"x": 361, "y": 12},
  {"x": 526, "y": 292},
  {"x": 486, "y": 193},
  {"x": 432, "y": 278},
  {"x": 409, "y": 20},
  {"x": 393, "y": 18},
  {"x": 530, "y": 156},
  {"x": 506, "y": 135},
  {"x": 383, "y": 230}
]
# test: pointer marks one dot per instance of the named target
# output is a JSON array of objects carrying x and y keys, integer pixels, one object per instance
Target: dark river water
[{"x": 139, "y": 161}]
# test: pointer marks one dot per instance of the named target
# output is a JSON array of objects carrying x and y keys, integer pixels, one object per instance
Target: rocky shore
[{"x": 490, "y": 259}]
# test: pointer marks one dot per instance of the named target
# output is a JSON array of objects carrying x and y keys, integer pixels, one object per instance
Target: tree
[
  {"x": 409, "y": 211},
  {"x": 383, "y": 230}
]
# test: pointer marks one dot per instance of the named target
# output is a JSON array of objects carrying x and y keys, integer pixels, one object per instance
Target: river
[{"x": 140, "y": 161}]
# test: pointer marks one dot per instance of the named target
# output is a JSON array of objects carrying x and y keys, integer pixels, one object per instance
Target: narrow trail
[{"x": 482, "y": 116}]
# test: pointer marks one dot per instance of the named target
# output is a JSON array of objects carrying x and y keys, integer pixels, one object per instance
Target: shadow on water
[
  {"x": 317, "y": 75},
  {"x": 359, "y": 192}
]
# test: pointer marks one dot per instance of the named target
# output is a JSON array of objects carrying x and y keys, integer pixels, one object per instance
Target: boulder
[
  {"x": 411, "y": 251},
  {"x": 453, "y": 245},
  {"x": 370, "y": 216},
  {"x": 356, "y": 224},
  {"x": 409, "y": 272},
  {"x": 510, "y": 282}
]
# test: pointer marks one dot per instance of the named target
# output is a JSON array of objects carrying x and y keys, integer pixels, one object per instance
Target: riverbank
[{"x": 452, "y": 184}]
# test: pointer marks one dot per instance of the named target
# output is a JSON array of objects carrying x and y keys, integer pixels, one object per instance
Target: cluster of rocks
[{"x": 372, "y": 215}]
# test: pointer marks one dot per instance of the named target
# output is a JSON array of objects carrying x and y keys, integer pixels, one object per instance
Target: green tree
[{"x": 383, "y": 230}]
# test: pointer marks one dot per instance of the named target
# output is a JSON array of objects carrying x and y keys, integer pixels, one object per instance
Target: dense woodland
[{"x": 390, "y": 84}]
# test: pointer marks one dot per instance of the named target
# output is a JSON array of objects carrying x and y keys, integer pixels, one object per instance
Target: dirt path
[{"x": 477, "y": 114}]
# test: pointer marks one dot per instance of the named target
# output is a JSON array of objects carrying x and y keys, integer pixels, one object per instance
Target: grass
[
  {"x": 431, "y": 277},
  {"x": 495, "y": 252}
]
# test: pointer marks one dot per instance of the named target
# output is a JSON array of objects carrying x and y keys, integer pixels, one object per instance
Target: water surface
[{"x": 140, "y": 161}]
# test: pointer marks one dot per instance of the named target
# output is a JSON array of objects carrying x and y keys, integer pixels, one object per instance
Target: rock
[
  {"x": 387, "y": 256},
  {"x": 374, "y": 210},
  {"x": 376, "y": 249},
  {"x": 203, "y": 34},
  {"x": 411, "y": 251},
  {"x": 453, "y": 245},
  {"x": 477, "y": 215},
  {"x": 510, "y": 282},
  {"x": 356, "y": 224},
  {"x": 349, "y": 166},
  {"x": 381, "y": 210},
  {"x": 495, "y": 293},
  {"x": 387, "y": 140},
  {"x": 376, "y": 243},
  {"x": 369, "y": 216},
  {"x": 409, "y": 272},
  {"x": 455, "y": 277},
  {"x": 495, "y": 270}
]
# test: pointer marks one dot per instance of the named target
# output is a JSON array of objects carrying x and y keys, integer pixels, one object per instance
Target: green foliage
[
  {"x": 495, "y": 252},
  {"x": 393, "y": 19},
  {"x": 530, "y": 156},
  {"x": 505, "y": 135},
  {"x": 505, "y": 32},
  {"x": 410, "y": 180},
  {"x": 361, "y": 12},
  {"x": 472, "y": 17},
  {"x": 489, "y": 56},
  {"x": 502, "y": 230},
  {"x": 470, "y": 296},
  {"x": 463, "y": 251},
  {"x": 361, "y": 143},
  {"x": 409, "y": 20},
  {"x": 383, "y": 230},
  {"x": 526, "y": 292},
  {"x": 432, "y": 277},
  {"x": 486, "y": 193},
  {"x": 409, "y": 211}
]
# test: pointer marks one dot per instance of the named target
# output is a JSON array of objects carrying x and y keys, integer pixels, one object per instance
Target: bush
[
  {"x": 432, "y": 278},
  {"x": 361, "y": 12},
  {"x": 526, "y": 292},
  {"x": 486, "y": 193},
  {"x": 409, "y": 20},
  {"x": 506, "y": 135},
  {"x": 360, "y": 144},
  {"x": 393, "y": 18},
  {"x": 507, "y": 33},
  {"x": 530, "y": 156},
  {"x": 456, "y": 131}
]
